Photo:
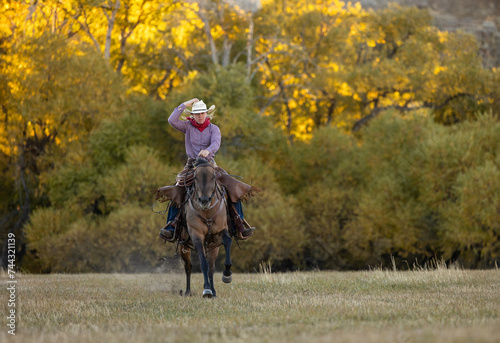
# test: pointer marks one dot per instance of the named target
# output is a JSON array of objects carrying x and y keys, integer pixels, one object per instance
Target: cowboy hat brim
[{"x": 210, "y": 110}]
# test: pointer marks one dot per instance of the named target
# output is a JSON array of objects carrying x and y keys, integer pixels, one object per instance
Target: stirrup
[
  {"x": 240, "y": 236},
  {"x": 168, "y": 239},
  {"x": 247, "y": 232}
]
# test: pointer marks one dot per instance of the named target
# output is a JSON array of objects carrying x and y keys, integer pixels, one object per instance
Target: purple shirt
[{"x": 196, "y": 141}]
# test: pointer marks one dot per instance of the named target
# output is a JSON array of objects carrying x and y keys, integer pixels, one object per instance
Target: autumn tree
[
  {"x": 55, "y": 93},
  {"x": 328, "y": 64}
]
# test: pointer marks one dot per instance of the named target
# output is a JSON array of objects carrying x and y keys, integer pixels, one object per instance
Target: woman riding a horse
[
  {"x": 203, "y": 198},
  {"x": 203, "y": 139}
]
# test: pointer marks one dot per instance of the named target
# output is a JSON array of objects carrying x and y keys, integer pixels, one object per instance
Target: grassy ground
[{"x": 376, "y": 306}]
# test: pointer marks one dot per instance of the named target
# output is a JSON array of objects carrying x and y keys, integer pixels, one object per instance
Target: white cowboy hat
[{"x": 200, "y": 107}]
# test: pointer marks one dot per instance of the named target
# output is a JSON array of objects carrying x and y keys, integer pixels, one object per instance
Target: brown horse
[{"x": 206, "y": 219}]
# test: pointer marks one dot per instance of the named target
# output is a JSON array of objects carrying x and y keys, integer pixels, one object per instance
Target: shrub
[
  {"x": 280, "y": 234},
  {"x": 126, "y": 241},
  {"x": 471, "y": 224}
]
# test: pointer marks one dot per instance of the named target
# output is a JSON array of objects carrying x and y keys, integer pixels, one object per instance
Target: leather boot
[
  {"x": 240, "y": 227},
  {"x": 167, "y": 234},
  {"x": 247, "y": 232}
]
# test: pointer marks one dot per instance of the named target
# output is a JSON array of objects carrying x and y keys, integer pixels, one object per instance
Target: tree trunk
[
  {"x": 329, "y": 114},
  {"x": 23, "y": 212},
  {"x": 249, "y": 47},
  {"x": 210, "y": 38},
  {"x": 227, "y": 51},
  {"x": 123, "y": 43},
  {"x": 111, "y": 24},
  {"x": 289, "y": 115}
]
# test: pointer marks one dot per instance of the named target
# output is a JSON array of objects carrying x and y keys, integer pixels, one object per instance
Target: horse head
[{"x": 205, "y": 185}]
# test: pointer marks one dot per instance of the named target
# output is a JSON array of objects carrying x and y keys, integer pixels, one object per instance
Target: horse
[{"x": 207, "y": 227}]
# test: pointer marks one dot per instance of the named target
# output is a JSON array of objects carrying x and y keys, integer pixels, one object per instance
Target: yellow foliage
[
  {"x": 334, "y": 66},
  {"x": 345, "y": 89},
  {"x": 217, "y": 31},
  {"x": 304, "y": 130},
  {"x": 353, "y": 30},
  {"x": 5, "y": 146},
  {"x": 438, "y": 69},
  {"x": 407, "y": 96},
  {"x": 371, "y": 95},
  {"x": 443, "y": 36},
  {"x": 139, "y": 89},
  {"x": 182, "y": 33}
]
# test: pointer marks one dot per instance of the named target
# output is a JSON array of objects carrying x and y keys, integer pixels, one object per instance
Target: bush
[
  {"x": 280, "y": 234},
  {"x": 126, "y": 241},
  {"x": 132, "y": 182},
  {"x": 471, "y": 225},
  {"x": 43, "y": 231}
]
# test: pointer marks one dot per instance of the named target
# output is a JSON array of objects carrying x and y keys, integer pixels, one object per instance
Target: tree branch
[
  {"x": 86, "y": 28},
  {"x": 154, "y": 91}
]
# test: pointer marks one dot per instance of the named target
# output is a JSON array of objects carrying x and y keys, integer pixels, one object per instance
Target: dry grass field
[{"x": 442, "y": 305}]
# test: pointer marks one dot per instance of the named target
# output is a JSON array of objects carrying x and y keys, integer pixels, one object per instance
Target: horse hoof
[
  {"x": 207, "y": 293},
  {"x": 227, "y": 279}
]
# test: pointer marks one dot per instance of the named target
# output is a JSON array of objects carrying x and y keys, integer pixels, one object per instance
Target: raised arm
[{"x": 174, "y": 118}]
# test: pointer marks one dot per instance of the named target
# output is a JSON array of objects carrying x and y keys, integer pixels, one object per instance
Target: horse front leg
[
  {"x": 227, "y": 274},
  {"x": 212, "y": 256},
  {"x": 200, "y": 248},
  {"x": 185, "y": 253}
]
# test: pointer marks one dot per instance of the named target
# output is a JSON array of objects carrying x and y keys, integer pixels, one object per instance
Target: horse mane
[{"x": 200, "y": 160}]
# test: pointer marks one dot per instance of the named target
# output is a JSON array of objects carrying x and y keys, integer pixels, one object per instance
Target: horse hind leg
[
  {"x": 185, "y": 253},
  {"x": 227, "y": 274}
]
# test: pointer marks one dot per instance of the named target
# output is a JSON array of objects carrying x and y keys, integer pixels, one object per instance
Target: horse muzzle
[{"x": 205, "y": 202}]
